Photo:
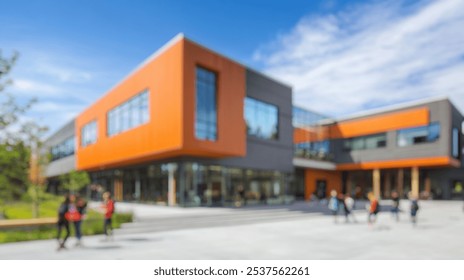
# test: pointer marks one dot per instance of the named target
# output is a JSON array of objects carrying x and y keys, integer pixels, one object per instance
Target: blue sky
[{"x": 340, "y": 56}]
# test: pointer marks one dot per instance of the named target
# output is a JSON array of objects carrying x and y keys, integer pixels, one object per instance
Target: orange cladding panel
[
  {"x": 161, "y": 136},
  {"x": 333, "y": 180},
  {"x": 231, "y": 129},
  {"x": 380, "y": 123},
  {"x": 401, "y": 163},
  {"x": 310, "y": 134}
]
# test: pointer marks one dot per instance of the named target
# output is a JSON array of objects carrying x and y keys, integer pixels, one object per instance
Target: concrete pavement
[{"x": 298, "y": 231}]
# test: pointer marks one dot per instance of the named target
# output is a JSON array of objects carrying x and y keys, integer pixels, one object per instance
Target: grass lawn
[{"x": 93, "y": 224}]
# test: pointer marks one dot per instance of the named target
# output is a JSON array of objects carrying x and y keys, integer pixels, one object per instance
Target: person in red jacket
[
  {"x": 108, "y": 205},
  {"x": 373, "y": 208}
]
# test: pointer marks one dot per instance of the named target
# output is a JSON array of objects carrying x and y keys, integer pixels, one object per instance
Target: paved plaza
[{"x": 298, "y": 231}]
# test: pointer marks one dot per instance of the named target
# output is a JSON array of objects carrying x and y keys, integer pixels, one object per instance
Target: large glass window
[
  {"x": 455, "y": 147},
  {"x": 262, "y": 119},
  {"x": 303, "y": 117},
  {"x": 206, "y": 105},
  {"x": 313, "y": 150},
  {"x": 130, "y": 114},
  {"x": 366, "y": 142},
  {"x": 417, "y": 135},
  {"x": 89, "y": 134},
  {"x": 63, "y": 149}
]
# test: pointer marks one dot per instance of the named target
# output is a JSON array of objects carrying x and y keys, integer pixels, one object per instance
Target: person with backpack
[
  {"x": 63, "y": 222},
  {"x": 395, "y": 205},
  {"x": 373, "y": 209},
  {"x": 349, "y": 207},
  {"x": 76, "y": 214},
  {"x": 334, "y": 204},
  {"x": 108, "y": 206},
  {"x": 414, "y": 208}
]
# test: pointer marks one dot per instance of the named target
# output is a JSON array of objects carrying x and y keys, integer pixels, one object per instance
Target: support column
[
  {"x": 376, "y": 182},
  {"x": 226, "y": 185},
  {"x": 387, "y": 184},
  {"x": 182, "y": 184},
  {"x": 428, "y": 185},
  {"x": 415, "y": 181},
  {"x": 171, "y": 185},
  {"x": 400, "y": 182},
  {"x": 118, "y": 189},
  {"x": 138, "y": 189},
  {"x": 348, "y": 183}
]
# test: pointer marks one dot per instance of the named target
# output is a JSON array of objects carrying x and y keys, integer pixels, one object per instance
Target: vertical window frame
[{"x": 206, "y": 108}]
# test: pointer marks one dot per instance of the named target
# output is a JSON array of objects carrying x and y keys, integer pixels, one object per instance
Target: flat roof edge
[{"x": 394, "y": 107}]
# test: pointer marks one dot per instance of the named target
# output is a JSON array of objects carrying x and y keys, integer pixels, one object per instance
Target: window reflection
[
  {"x": 366, "y": 142},
  {"x": 130, "y": 114},
  {"x": 89, "y": 134},
  {"x": 261, "y": 119},
  {"x": 205, "y": 109},
  {"x": 417, "y": 135},
  {"x": 212, "y": 185},
  {"x": 313, "y": 150},
  {"x": 63, "y": 149},
  {"x": 455, "y": 147}
]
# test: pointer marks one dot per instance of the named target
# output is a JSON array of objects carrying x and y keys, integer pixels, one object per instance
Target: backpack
[
  {"x": 72, "y": 214},
  {"x": 333, "y": 204},
  {"x": 377, "y": 207},
  {"x": 414, "y": 205}
]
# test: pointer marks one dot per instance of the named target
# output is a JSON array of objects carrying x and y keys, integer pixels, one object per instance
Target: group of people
[
  {"x": 73, "y": 211},
  {"x": 345, "y": 203},
  {"x": 341, "y": 202}
]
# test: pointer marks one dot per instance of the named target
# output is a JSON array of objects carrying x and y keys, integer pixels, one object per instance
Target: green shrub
[
  {"x": 90, "y": 226},
  {"x": 93, "y": 224}
]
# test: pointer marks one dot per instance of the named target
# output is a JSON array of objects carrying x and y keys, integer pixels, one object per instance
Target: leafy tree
[
  {"x": 14, "y": 166},
  {"x": 17, "y": 138},
  {"x": 39, "y": 159},
  {"x": 10, "y": 110},
  {"x": 75, "y": 180}
]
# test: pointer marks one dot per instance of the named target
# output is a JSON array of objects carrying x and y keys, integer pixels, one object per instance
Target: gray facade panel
[
  {"x": 63, "y": 165},
  {"x": 62, "y": 134},
  {"x": 268, "y": 154},
  {"x": 440, "y": 111}
]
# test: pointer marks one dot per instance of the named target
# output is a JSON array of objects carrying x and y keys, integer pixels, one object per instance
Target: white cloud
[
  {"x": 371, "y": 55},
  {"x": 32, "y": 88},
  {"x": 64, "y": 80},
  {"x": 54, "y": 114},
  {"x": 64, "y": 73}
]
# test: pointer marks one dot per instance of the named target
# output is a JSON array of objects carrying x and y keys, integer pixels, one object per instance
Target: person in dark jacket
[
  {"x": 63, "y": 222},
  {"x": 414, "y": 208},
  {"x": 395, "y": 205},
  {"x": 77, "y": 209}
]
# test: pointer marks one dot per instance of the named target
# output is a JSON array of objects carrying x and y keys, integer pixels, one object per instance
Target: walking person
[
  {"x": 395, "y": 205},
  {"x": 342, "y": 206},
  {"x": 77, "y": 209},
  {"x": 108, "y": 206},
  {"x": 333, "y": 204},
  {"x": 349, "y": 207},
  {"x": 373, "y": 208},
  {"x": 63, "y": 222},
  {"x": 414, "y": 208}
]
